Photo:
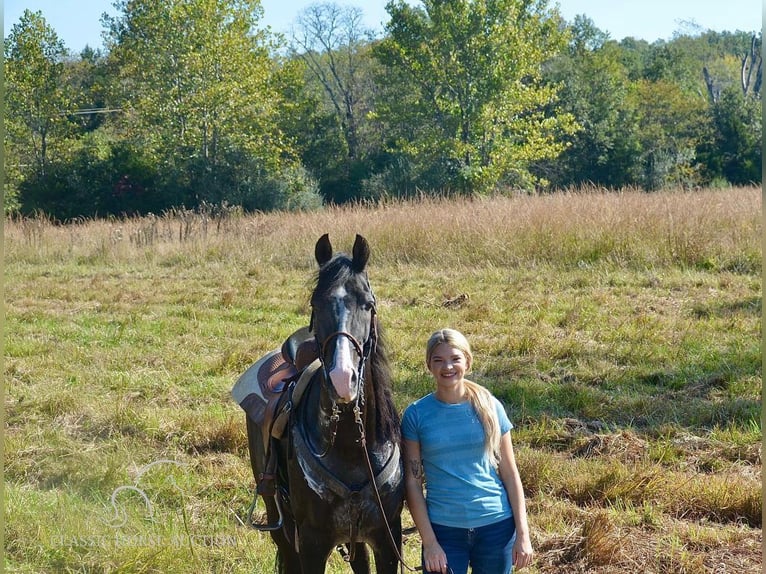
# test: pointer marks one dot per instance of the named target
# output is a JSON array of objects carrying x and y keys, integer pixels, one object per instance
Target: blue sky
[{"x": 78, "y": 22}]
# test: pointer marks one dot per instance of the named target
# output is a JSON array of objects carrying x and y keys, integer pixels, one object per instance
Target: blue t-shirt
[{"x": 463, "y": 489}]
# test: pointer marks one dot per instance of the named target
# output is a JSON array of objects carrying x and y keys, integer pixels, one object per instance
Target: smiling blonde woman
[{"x": 457, "y": 444}]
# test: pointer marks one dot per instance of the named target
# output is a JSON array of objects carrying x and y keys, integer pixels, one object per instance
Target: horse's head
[{"x": 343, "y": 316}]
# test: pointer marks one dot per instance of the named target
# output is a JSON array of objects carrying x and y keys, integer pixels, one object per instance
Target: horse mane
[
  {"x": 387, "y": 424},
  {"x": 386, "y": 420}
]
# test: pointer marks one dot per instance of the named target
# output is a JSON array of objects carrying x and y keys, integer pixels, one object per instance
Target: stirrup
[{"x": 264, "y": 527}]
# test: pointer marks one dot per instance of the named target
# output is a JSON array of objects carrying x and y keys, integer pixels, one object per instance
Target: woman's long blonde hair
[{"x": 481, "y": 399}]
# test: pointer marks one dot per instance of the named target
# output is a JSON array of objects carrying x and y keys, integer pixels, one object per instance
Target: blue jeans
[{"x": 487, "y": 549}]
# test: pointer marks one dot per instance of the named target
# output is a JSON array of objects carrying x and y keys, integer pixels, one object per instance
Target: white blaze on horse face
[{"x": 343, "y": 370}]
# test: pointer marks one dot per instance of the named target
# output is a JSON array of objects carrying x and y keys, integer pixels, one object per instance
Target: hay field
[{"x": 622, "y": 331}]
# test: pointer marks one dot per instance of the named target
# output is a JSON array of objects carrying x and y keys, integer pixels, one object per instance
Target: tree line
[{"x": 195, "y": 103}]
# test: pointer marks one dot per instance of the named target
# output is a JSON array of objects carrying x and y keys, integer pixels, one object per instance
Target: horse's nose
[
  {"x": 343, "y": 373},
  {"x": 342, "y": 379}
]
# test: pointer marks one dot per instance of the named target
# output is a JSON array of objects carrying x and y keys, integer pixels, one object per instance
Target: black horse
[{"x": 339, "y": 473}]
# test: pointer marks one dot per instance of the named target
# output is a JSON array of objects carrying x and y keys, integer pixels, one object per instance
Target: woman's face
[{"x": 448, "y": 365}]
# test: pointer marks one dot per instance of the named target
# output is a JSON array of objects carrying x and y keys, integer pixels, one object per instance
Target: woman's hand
[
  {"x": 522, "y": 552},
  {"x": 434, "y": 558}
]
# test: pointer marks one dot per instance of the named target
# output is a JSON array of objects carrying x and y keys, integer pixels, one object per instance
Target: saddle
[
  {"x": 260, "y": 389},
  {"x": 267, "y": 392}
]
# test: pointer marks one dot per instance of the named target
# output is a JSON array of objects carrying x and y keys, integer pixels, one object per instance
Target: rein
[{"x": 371, "y": 474}]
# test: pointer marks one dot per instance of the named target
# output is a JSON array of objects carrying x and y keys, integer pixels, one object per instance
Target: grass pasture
[{"x": 622, "y": 330}]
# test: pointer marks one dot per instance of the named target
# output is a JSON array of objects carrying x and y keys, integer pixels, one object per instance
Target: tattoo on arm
[{"x": 416, "y": 468}]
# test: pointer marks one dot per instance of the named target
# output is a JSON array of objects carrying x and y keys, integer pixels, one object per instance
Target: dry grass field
[{"x": 621, "y": 330}]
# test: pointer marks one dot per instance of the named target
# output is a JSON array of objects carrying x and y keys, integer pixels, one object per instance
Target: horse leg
[
  {"x": 289, "y": 561},
  {"x": 386, "y": 558},
  {"x": 315, "y": 549},
  {"x": 287, "y": 558},
  {"x": 361, "y": 562}
]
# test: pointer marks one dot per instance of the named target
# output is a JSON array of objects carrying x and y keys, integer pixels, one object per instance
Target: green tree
[
  {"x": 646, "y": 117},
  {"x": 36, "y": 101},
  {"x": 478, "y": 113},
  {"x": 734, "y": 151},
  {"x": 672, "y": 124},
  {"x": 334, "y": 47},
  {"x": 331, "y": 41},
  {"x": 200, "y": 96},
  {"x": 595, "y": 89},
  {"x": 91, "y": 85},
  {"x": 634, "y": 56},
  {"x": 733, "y": 80}
]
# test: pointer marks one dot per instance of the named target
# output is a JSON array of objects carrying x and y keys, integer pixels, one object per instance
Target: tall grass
[{"x": 711, "y": 229}]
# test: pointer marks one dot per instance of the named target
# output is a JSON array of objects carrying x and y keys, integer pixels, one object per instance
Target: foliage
[
  {"x": 331, "y": 43},
  {"x": 646, "y": 120},
  {"x": 193, "y": 102},
  {"x": 596, "y": 90},
  {"x": 334, "y": 48},
  {"x": 476, "y": 107},
  {"x": 734, "y": 150},
  {"x": 669, "y": 127},
  {"x": 103, "y": 175},
  {"x": 197, "y": 93},
  {"x": 36, "y": 98}
]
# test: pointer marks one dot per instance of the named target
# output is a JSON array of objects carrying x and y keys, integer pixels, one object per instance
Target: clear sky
[{"x": 78, "y": 22}]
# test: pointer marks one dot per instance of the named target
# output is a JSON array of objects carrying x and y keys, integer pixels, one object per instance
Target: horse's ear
[
  {"x": 361, "y": 254},
  {"x": 323, "y": 250}
]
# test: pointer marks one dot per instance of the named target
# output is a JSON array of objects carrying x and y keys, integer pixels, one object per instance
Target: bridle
[{"x": 363, "y": 350}]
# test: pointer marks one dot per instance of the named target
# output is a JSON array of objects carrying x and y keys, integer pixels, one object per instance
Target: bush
[{"x": 292, "y": 190}]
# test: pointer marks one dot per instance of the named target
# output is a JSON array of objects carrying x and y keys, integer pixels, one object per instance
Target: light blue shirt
[{"x": 463, "y": 489}]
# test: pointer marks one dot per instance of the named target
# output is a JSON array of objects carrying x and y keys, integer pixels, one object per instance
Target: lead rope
[
  {"x": 371, "y": 473},
  {"x": 372, "y": 343}
]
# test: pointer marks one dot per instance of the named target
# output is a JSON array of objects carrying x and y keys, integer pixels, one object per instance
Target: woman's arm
[
  {"x": 509, "y": 473},
  {"x": 434, "y": 557}
]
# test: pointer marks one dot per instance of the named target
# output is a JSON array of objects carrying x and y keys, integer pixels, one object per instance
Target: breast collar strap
[{"x": 314, "y": 467}]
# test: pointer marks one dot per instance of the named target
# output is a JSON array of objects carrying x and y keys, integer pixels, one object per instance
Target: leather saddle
[{"x": 260, "y": 389}]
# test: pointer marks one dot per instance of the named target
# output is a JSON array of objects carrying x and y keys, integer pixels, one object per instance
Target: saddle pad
[{"x": 261, "y": 383}]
